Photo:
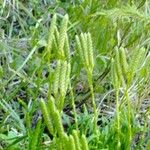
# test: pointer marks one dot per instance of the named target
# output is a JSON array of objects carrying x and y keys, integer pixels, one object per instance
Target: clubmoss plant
[
  {"x": 62, "y": 35},
  {"x": 85, "y": 49},
  {"x": 116, "y": 84},
  {"x": 72, "y": 142},
  {"x": 125, "y": 65},
  {"x": 56, "y": 78},
  {"x": 76, "y": 140},
  {"x": 35, "y": 138},
  {"x": 84, "y": 142},
  {"x": 63, "y": 141},
  {"x": 58, "y": 41},
  {"x": 47, "y": 118},
  {"x": 51, "y": 37},
  {"x": 61, "y": 81}
]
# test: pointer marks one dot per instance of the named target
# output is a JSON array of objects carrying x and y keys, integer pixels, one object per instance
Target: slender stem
[
  {"x": 74, "y": 108},
  {"x": 118, "y": 118},
  {"x": 129, "y": 115},
  {"x": 90, "y": 80}
]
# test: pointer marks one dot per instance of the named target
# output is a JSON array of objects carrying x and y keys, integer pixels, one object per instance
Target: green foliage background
[{"x": 79, "y": 80}]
